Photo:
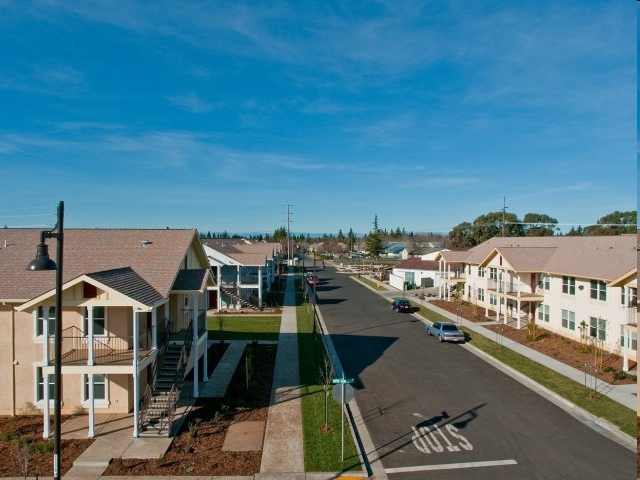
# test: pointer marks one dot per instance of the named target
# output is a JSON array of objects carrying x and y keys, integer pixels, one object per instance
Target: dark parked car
[
  {"x": 402, "y": 305},
  {"x": 446, "y": 332}
]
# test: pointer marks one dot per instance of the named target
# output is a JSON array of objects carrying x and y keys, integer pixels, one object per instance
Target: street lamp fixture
[{"x": 43, "y": 262}]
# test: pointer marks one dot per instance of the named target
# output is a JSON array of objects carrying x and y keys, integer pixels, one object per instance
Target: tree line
[{"x": 496, "y": 224}]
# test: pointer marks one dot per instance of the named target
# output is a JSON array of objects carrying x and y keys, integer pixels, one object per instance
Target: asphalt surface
[{"x": 438, "y": 411}]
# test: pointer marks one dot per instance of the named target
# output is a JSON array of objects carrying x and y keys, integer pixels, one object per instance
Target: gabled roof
[
  {"x": 154, "y": 255},
  {"x": 418, "y": 264},
  {"x": 129, "y": 283},
  {"x": 597, "y": 257},
  {"x": 242, "y": 252},
  {"x": 190, "y": 280}
]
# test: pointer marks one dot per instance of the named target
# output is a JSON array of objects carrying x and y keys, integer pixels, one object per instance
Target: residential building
[
  {"x": 583, "y": 288},
  {"x": 244, "y": 271},
  {"x": 127, "y": 295}
]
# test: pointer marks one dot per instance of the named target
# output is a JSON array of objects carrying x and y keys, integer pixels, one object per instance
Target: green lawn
[
  {"x": 244, "y": 327},
  {"x": 322, "y": 447}
]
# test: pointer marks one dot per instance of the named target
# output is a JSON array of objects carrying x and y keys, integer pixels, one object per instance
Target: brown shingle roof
[
  {"x": 602, "y": 257},
  {"x": 155, "y": 255}
]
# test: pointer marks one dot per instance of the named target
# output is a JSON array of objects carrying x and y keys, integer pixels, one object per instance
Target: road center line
[{"x": 451, "y": 466}]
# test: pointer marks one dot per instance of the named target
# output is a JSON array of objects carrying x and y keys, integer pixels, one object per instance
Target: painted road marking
[{"x": 451, "y": 466}]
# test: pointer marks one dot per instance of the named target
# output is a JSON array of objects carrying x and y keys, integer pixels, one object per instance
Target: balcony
[{"x": 107, "y": 349}]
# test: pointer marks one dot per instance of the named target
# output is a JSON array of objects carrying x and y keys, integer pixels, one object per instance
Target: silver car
[{"x": 446, "y": 332}]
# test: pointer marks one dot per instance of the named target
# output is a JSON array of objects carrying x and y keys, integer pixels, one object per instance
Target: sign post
[{"x": 342, "y": 393}]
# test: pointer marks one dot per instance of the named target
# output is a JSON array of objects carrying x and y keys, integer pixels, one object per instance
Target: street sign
[
  {"x": 337, "y": 394},
  {"x": 341, "y": 380}
]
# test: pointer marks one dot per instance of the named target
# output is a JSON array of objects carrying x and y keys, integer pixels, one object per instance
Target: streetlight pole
[{"x": 43, "y": 262}]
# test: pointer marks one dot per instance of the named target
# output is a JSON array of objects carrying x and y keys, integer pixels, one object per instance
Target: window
[
  {"x": 99, "y": 321},
  {"x": 493, "y": 299},
  {"x": 633, "y": 339},
  {"x": 569, "y": 285},
  {"x": 40, "y": 387},
  {"x": 544, "y": 281},
  {"x": 598, "y": 328},
  {"x": 481, "y": 294},
  {"x": 543, "y": 313},
  {"x": 99, "y": 387},
  {"x": 629, "y": 297},
  {"x": 41, "y": 322},
  {"x": 493, "y": 273},
  {"x": 569, "y": 319},
  {"x": 598, "y": 290},
  {"x": 481, "y": 272}
]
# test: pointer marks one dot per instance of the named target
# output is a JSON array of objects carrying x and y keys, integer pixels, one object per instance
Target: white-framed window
[
  {"x": 41, "y": 323},
  {"x": 632, "y": 294},
  {"x": 543, "y": 313},
  {"x": 544, "y": 281},
  {"x": 100, "y": 389},
  {"x": 633, "y": 339},
  {"x": 598, "y": 328},
  {"x": 481, "y": 272},
  {"x": 481, "y": 294},
  {"x": 568, "y": 319},
  {"x": 598, "y": 290},
  {"x": 40, "y": 386},
  {"x": 99, "y": 321},
  {"x": 569, "y": 285},
  {"x": 493, "y": 299},
  {"x": 493, "y": 273}
]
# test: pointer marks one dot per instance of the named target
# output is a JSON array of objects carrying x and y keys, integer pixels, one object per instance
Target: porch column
[
  {"x": 92, "y": 410},
  {"x": 205, "y": 373},
  {"x": 154, "y": 328},
  {"x": 46, "y": 433},
  {"x": 196, "y": 358},
  {"x": 518, "y": 304},
  {"x": 238, "y": 289},
  {"x": 90, "y": 336},
  {"x": 45, "y": 378},
  {"x": 448, "y": 286},
  {"x": 260, "y": 287},
  {"x": 625, "y": 349},
  {"x": 136, "y": 375}
]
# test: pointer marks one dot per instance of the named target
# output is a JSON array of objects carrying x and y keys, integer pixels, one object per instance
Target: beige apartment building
[
  {"x": 127, "y": 296},
  {"x": 583, "y": 288}
]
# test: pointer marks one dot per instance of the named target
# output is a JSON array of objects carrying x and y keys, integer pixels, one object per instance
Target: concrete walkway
[{"x": 283, "y": 446}]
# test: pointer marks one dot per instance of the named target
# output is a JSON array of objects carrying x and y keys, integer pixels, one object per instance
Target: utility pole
[
  {"x": 504, "y": 213},
  {"x": 289, "y": 256}
]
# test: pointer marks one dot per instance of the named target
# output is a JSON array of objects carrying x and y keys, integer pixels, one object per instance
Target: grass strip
[
  {"x": 244, "y": 327},
  {"x": 576, "y": 393},
  {"x": 322, "y": 447}
]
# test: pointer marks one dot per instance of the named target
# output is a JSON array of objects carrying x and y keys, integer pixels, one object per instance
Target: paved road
[{"x": 437, "y": 411}]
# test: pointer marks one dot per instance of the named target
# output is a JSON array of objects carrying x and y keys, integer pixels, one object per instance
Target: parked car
[
  {"x": 446, "y": 332},
  {"x": 402, "y": 305},
  {"x": 313, "y": 280}
]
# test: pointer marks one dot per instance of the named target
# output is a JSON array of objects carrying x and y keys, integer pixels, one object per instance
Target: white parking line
[{"x": 451, "y": 466}]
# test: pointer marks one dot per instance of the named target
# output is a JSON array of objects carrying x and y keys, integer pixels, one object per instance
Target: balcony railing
[
  {"x": 107, "y": 349},
  {"x": 185, "y": 317}
]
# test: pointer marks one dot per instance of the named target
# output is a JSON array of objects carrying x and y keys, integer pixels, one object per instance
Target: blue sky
[{"x": 217, "y": 115}]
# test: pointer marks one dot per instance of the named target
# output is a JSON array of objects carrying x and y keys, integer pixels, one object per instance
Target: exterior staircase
[
  {"x": 163, "y": 392},
  {"x": 251, "y": 302}
]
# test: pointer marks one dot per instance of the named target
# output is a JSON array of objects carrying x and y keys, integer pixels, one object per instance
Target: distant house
[
  {"x": 417, "y": 273},
  {"x": 244, "y": 272},
  {"x": 127, "y": 296},
  {"x": 583, "y": 288}
]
